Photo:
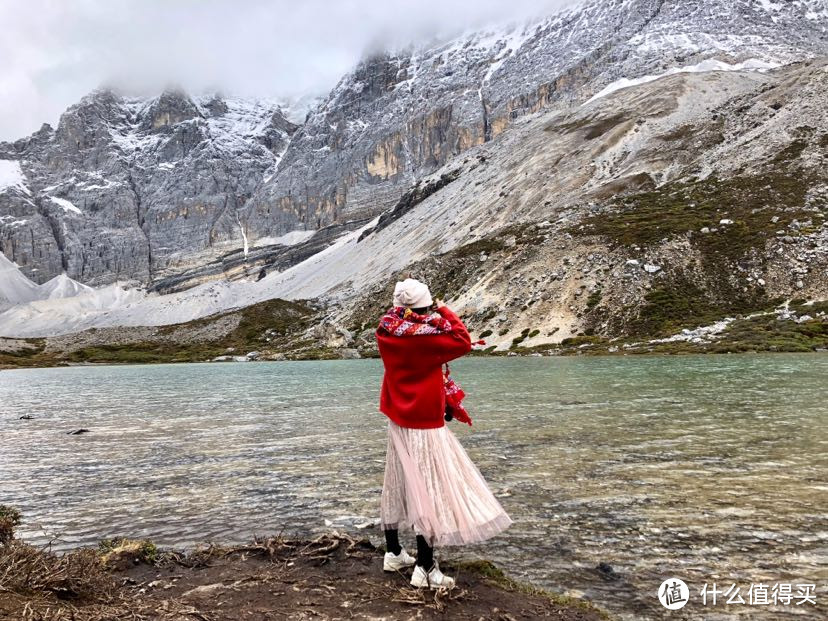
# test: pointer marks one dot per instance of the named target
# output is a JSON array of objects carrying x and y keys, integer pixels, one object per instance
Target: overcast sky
[{"x": 52, "y": 52}]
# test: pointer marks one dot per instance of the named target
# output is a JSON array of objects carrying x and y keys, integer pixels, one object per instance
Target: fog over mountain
[{"x": 53, "y": 53}]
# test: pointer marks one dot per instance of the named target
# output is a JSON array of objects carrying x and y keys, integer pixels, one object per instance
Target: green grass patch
[
  {"x": 578, "y": 341},
  {"x": 143, "y": 353},
  {"x": 767, "y": 333},
  {"x": 519, "y": 339},
  {"x": 679, "y": 208},
  {"x": 486, "y": 245},
  {"x": 487, "y": 569},
  {"x": 31, "y": 355},
  {"x": 142, "y": 551},
  {"x": 594, "y": 299},
  {"x": 9, "y": 520},
  {"x": 283, "y": 318}
]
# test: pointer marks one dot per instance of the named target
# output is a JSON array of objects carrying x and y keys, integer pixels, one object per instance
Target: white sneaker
[
  {"x": 433, "y": 579},
  {"x": 396, "y": 562}
]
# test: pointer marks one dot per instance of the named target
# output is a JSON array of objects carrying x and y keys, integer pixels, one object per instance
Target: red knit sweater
[{"x": 412, "y": 387}]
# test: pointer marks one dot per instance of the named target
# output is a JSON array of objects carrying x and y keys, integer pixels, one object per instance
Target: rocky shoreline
[
  {"x": 333, "y": 576},
  {"x": 279, "y": 330}
]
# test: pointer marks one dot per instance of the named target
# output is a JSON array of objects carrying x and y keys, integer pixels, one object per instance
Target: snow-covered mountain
[
  {"x": 129, "y": 188},
  {"x": 178, "y": 191},
  {"x": 401, "y": 115}
]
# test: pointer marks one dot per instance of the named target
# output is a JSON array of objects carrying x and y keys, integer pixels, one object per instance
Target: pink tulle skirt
[{"x": 432, "y": 485}]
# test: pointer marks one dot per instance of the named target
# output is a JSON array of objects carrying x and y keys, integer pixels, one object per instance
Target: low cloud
[{"x": 53, "y": 52}]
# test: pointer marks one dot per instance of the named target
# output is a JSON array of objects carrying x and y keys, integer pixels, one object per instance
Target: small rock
[
  {"x": 705, "y": 230},
  {"x": 761, "y": 282},
  {"x": 205, "y": 589},
  {"x": 253, "y": 355},
  {"x": 27, "y": 417},
  {"x": 800, "y": 284},
  {"x": 607, "y": 572},
  {"x": 725, "y": 221},
  {"x": 651, "y": 269},
  {"x": 632, "y": 262},
  {"x": 775, "y": 219},
  {"x": 77, "y": 432}
]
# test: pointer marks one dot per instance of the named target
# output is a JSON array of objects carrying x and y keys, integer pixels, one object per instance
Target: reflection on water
[{"x": 711, "y": 469}]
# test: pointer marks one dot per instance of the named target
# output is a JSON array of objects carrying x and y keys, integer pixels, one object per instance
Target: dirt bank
[{"x": 331, "y": 577}]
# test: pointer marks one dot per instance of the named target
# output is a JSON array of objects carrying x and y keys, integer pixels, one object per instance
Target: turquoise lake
[{"x": 706, "y": 468}]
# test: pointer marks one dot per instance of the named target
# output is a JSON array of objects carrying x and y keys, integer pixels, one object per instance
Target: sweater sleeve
[{"x": 451, "y": 345}]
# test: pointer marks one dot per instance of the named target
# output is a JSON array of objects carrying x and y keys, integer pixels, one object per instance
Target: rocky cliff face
[
  {"x": 400, "y": 116},
  {"x": 136, "y": 188},
  {"x": 175, "y": 190}
]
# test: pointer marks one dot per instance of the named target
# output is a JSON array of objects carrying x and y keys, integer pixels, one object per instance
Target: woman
[{"x": 430, "y": 482}]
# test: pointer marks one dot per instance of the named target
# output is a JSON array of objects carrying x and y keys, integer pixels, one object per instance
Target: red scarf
[
  {"x": 402, "y": 321},
  {"x": 454, "y": 400}
]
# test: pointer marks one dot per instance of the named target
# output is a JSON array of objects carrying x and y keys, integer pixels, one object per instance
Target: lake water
[{"x": 710, "y": 469}]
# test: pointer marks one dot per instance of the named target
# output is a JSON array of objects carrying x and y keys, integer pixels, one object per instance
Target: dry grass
[
  {"x": 57, "y": 586},
  {"x": 270, "y": 578}
]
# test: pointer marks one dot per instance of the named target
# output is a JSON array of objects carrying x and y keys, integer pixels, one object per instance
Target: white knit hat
[{"x": 412, "y": 293}]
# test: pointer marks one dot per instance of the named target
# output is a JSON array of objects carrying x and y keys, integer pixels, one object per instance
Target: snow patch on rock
[
  {"x": 754, "y": 64},
  {"x": 66, "y": 205},
  {"x": 291, "y": 238},
  {"x": 12, "y": 177}
]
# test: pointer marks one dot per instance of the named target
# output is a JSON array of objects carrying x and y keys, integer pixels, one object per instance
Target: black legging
[{"x": 425, "y": 553}]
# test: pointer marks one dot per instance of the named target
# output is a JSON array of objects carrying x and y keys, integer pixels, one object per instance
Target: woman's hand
[{"x": 438, "y": 303}]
